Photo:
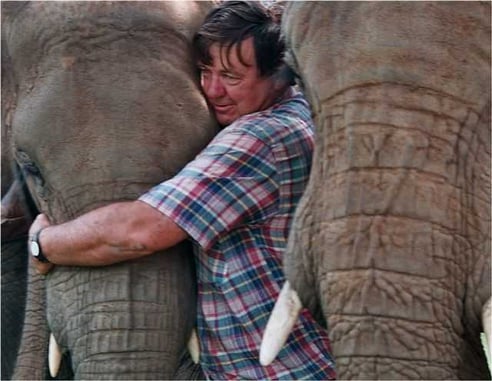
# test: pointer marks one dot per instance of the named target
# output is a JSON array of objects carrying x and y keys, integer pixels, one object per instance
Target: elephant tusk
[
  {"x": 194, "y": 346},
  {"x": 280, "y": 324},
  {"x": 54, "y": 356},
  {"x": 486, "y": 322}
]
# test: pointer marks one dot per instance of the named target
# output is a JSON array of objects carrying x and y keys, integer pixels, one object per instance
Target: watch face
[{"x": 34, "y": 248}]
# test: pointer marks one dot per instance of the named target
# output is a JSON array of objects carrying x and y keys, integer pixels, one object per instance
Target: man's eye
[{"x": 231, "y": 78}]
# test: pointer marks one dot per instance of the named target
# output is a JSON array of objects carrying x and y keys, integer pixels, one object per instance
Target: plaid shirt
[{"x": 236, "y": 200}]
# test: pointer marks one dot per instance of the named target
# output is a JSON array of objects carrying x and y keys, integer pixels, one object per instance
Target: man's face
[{"x": 232, "y": 88}]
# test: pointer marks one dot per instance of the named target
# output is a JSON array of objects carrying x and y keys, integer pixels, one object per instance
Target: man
[{"x": 235, "y": 201}]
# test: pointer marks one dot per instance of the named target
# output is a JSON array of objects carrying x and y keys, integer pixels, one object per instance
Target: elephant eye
[
  {"x": 27, "y": 165},
  {"x": 34, "y": 184}
]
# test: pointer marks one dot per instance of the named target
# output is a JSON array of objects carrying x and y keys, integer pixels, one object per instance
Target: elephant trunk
[
  {"x": 387, "y": 238},
  {"x": 135, "y": 326},
  {"x": 29, "y": 367}
]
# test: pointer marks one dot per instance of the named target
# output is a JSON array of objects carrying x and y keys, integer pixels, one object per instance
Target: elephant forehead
[
  {"x": 75, "y": 30},
  {"x": 342, "y": 44}
]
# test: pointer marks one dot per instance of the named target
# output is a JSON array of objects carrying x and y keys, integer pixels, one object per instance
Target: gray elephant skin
[
  {"x": 101, "y": 103},
  {"x": 391, "y": 241}
]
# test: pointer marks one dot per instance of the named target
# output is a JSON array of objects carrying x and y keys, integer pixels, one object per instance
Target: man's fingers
[
  {"x": 41, "y": 221},
  {"x": 43, "y": 218}
]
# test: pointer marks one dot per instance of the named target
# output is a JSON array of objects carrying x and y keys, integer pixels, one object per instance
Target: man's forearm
[{"x": 111, "y": 234}]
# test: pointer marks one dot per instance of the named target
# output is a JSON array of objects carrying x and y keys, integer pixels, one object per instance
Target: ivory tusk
[
  {"x": 486, "y": 322},
  {"x": 284, "y": 316},
  {"x": 54, "y": 356},
  {"x": 194, "y": 346}
]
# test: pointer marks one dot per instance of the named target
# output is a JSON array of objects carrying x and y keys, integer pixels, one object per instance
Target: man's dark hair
[{"x": 231, "y": 22}]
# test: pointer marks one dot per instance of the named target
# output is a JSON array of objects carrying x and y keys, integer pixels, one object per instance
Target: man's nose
[{"x": 213, "y": 87}]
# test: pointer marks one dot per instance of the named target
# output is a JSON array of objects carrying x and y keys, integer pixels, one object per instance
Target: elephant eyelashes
[
  {"x": 28, "y": 167},
  {"x": 26, "y": 164}
]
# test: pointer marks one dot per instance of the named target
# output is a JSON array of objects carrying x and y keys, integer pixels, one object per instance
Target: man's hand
[{"x": 39, "y": 223}]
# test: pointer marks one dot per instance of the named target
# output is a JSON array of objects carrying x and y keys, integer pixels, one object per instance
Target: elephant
[
  {"x": 390, "y": 246},
  {"x": 103, "y": 102}
]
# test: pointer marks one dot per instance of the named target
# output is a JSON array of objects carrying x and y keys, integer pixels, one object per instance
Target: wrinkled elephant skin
[
  {"x": 107, "y": 104},
  {"x": 393, "y": 232},
  {"x": 14, "y": 276}
]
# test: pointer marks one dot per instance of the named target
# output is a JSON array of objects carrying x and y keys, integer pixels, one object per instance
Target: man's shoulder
[
  {"x": 293, "y": 110},
  {"x": 287, "y": 118}
]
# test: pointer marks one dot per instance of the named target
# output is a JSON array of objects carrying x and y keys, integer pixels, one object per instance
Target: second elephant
[
  {"x": 107, "y": 104},
  {"x": 391, "y": 242}
]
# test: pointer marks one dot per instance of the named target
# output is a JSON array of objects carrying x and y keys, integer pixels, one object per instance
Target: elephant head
[
  {"x": 107, "y": 104},
  {"x": 391, "y": 241}
]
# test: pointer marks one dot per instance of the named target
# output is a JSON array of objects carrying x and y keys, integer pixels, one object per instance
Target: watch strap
[{"x": 40, "y": 257}]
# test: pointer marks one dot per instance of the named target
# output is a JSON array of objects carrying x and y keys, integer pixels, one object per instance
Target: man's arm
[{"x": 111, "y": 234}]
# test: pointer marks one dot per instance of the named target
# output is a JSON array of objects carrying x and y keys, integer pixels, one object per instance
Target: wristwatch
[{"x": 35, "y": 248}]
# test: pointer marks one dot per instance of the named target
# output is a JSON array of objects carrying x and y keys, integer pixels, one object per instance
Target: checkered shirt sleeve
[{"x": 231, "y": 182}]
